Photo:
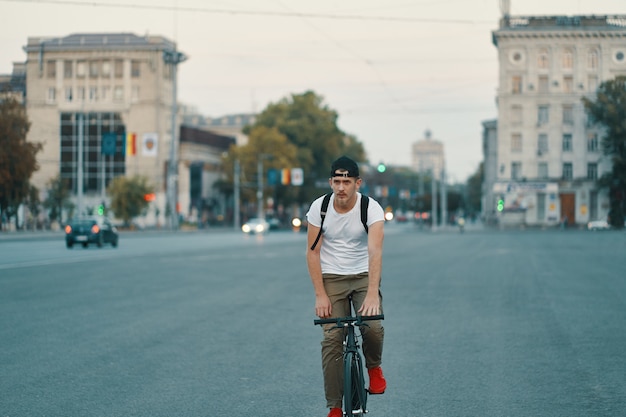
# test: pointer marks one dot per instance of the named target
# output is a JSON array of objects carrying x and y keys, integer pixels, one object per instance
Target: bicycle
[{"x": 354, "y": 391}]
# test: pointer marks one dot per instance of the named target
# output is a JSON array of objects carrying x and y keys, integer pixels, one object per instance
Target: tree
[
  {"x": 311, "y": 127},
  {"x": 128, "y": 197},
  {"x": 34, "y": 205},
  {"x": 474, "y": 190},
  {"x": 58, "y": 198},
  {"x": 272, "y": 148},
  {"x": 608, "y": 109},
  {"x": 18, "y": 158}
]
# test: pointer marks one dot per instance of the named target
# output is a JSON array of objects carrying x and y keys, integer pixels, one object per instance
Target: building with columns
[
  {"x": 428, "y": 156},
  {"x": 547, "y": 155}
]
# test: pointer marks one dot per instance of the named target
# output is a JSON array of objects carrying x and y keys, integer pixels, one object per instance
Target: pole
[
  {"x": 236, "y": 209},
  {"x": 173, "y": 57},
  {"x": 434, "y": 199},
  {"x": 259, "y": 193},
  {"x": 444, "y": 199},
  {"x": 79, "y": 170}
]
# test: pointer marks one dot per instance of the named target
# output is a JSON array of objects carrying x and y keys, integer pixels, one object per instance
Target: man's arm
[
  {"x": 323, "y": 307},
  {"x": 375, "y": 236}
]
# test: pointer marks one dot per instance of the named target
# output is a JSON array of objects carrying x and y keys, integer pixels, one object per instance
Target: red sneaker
[
  {"x": 335, "y": 412},
  {"x": 378, "y": 384}
]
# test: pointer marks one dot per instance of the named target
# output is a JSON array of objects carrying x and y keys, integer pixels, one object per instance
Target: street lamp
[{"x": 174, "y": 58}]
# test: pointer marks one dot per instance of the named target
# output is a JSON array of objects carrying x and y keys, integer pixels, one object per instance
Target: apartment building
[
  {"x": 109, "y": 95},
  {"x": 548, "y": 156}
]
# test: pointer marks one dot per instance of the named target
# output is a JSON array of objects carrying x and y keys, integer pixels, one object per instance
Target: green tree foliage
[
  {"x": 274, "y": 150},
  {"x": 311, "y": 126},
  {"x": 34, "y": 205},
  {"x": 57, "y": 199},
  {"x": 18, "y": 158},
  {"x": 128, "y": 197},
  {"x": 608, "y": 109}
]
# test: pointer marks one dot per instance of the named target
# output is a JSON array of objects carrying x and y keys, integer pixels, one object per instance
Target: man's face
[{"x": 345, "y": 188}]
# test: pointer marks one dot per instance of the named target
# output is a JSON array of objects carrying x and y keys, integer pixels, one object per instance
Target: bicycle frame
[{"x": 354, "y": 392}]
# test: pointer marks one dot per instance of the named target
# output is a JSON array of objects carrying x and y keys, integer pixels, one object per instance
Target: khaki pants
[{"x": 338, "y": 288}]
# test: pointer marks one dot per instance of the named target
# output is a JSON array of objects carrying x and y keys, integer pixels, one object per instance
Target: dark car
[{"x": 86, "y": 230}]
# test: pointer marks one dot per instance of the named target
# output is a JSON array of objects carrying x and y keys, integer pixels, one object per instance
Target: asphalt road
[{"x": 219, "y": 324}]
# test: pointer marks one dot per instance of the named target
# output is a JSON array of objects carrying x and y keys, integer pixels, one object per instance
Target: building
[
  {"x": 109, "y": 95},
  {"x": 548, "y": 157},
  {"x": 427, "y": 156}
]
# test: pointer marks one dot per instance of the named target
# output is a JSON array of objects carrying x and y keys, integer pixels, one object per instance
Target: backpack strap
[
  {"x": 365, "y": 202},
  {"x": 323, "y": 211}
]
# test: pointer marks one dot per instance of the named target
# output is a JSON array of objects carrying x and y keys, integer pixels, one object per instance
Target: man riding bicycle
[{"x": 345, "y": 259}]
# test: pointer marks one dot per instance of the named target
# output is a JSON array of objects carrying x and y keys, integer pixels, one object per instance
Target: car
[
  {"x": 255, "y": 226},
  {"x": 96, "y": 230},
  {"x": 598, "y": 225}
]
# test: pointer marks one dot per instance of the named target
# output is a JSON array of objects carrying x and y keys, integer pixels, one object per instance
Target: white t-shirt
[{"x": 344, "y": 242}]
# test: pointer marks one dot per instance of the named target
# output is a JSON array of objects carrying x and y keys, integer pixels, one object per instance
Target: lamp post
[{"x": 174, "y": 58}]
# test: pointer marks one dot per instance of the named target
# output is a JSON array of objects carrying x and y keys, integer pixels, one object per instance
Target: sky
[{"x": 391, "y": 69}]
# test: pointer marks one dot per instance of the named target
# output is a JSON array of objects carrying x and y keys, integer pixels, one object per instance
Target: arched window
[
  {"x": 568, "y": 58},
  {"x": 592, "y": 59}
]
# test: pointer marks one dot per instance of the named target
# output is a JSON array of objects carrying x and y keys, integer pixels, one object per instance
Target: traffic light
[
  {"x": 101, "y": 209},
  {"x": 500, "y": 205},
  {"x": 381, "y": 168}
]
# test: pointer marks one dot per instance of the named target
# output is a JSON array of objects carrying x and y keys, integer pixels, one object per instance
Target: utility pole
[
  {"x": 174, "y": 58},
  {"x": 444, "y": 199},
  {"x": 434, "y": 199},
  {"x": 236, "y": 209},
  {"x": 79, "y": 173}
]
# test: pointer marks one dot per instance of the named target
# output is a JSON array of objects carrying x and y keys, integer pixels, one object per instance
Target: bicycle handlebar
[{"x": 346, "y": 320}]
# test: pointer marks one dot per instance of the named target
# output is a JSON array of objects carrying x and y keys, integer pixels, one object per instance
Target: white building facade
[
  {"x": 113, "y": 92},
  {"x": 548, "y": 157}
]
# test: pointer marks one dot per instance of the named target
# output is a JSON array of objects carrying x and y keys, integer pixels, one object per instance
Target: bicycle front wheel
[{"x": 354, "y": 394}]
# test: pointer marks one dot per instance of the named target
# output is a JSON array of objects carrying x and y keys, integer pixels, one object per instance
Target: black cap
[{"x": 344, "y": 164}]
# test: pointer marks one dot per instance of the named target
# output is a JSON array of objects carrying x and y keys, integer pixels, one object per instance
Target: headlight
[
  {"x": 296, "y": 222},
  {"x": 245, "y": 228},
  {"x": 389, "y": 216},
  {"x": 259, "y": 228}
]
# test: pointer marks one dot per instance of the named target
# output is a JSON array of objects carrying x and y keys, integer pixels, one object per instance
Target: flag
[
  {"x": 284, "y": 176},
  {"x": 149, "y": 144},
  {"x": 131, "y": 145},
  {"x": 297, "y": 176}
]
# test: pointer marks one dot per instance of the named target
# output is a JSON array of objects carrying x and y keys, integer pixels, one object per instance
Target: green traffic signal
[
  {"x": 101, "y": 210},
  {"x": 500, "y": 206},
  {"x": 381, "y": 167}
]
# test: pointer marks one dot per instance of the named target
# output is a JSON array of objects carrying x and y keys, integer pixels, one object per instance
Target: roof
[
  {"x": 190, "y": 134},
  {"x": 114, "y": 41}
]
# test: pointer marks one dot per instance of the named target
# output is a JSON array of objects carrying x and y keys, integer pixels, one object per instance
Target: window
[
  {"x": 592, "y": 142},
  {"x": 568, "y": 84},
  {"x": 592, "y": 59},
  {"x": 97, "y": 171},
  {"x": 80, "y": 93},
  {"x": 52, "y": 95},
  {"x": 541, "y": 207},
  {"x": 543, "y": 62},
  {"x": 516, "y": 170},
  {"x": 568, "y": 171},
  {"x": 542, "y": 170},
  {"x": 81, "y": 69},
  {"x": 106, "y": 69},
  {"x": 516, "y": 142},
  {"x": 68, "y": 94},
  {"x": 544, "y": 84},
  {"x": 105, "y": 93},
  {"x": 568, "y": 114},
  {"x": 135, "y": 69},
  {"x": 516, "y": 84},
  {"x": 568, "y": 59},
  {"x": 542, "y": 144},
  {"x": 592, "y": 83},
  {"x": 93, "y": 93},
  {"x": 567, "y": 142},
  {"x": 67, "y": 69},
  {"x": 119, "y": 68},
  {"x": 93, "y": 68},
  {"x": 516, "y": 114},
  {"x": 592, "y": 171},
  {"x": 118, "y": 93},
  {"x": 543, "y": 115},
  {"x": 51, "y": 69}
]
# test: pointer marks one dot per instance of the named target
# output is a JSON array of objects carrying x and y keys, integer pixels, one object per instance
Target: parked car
[
  {"x": 598, "y": 225},
  {"x": 94, "y": 229},
  {"x": 255, "y": 226}
]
